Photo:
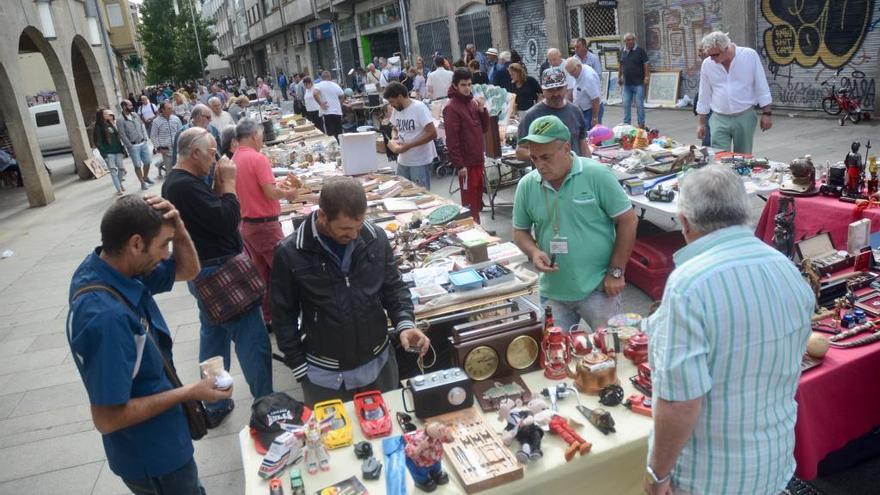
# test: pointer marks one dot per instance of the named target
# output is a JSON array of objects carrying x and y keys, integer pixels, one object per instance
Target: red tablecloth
[
  {"x": 838, "y": 401},
  {"x": 814, "y": 214}
]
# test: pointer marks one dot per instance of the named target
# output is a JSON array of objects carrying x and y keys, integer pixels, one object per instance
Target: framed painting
[
  {"x": 614, "y": 91},
  {"x": 603, "y": 84},
  {"x": 663, "y": 88},
  {"x": 97, "y": 168},
  {"x": 611, "y": 58}
]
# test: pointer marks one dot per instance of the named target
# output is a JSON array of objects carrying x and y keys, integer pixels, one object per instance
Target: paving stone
[
  {"x": 49, "y": 398},
  {"x": 49, "y": 341},
  {"x": 216, "y": 455},
  {"x": 227, "y": 483},
  {"x": 51, "y": 455},
  {"x": 64, "y": 373},
  {"x": 32, "y": 361},
  {"x": 110, "y": 484},
  {"x": 8, "y": 403},
  {"x": 188, "y": 332},
  {"x": 182, "y": 302},
  {"x": 33, "y": 427},
  {"x": 14, "y": 347},
  {"x": 21, "y": 318},
  {"x": 74, "y": 480}
]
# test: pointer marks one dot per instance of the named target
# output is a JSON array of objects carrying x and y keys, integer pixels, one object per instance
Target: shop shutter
[
  {"x": 474, "y": 28},
  {"x": 528, "y": 35},
  {"x": 434, "y": 38}
]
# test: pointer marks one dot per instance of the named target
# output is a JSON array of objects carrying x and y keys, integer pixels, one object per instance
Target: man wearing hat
[
  {"x": 491, "y": 62},
  {"x": 554, "y": 84},
  {"x": 572, "y": 202}
]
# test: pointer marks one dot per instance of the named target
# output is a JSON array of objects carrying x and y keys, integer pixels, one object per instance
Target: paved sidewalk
[{"x": 47, "y": 439}]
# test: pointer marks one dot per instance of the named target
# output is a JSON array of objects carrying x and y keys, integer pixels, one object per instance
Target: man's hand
[
  {"x": 225, "y": 169},
  {"x": 658, "y": 489},
  {"x": 766, "y": 122},
  {"x": 613, "y": 286},
  {"x": 324, "y": 105},
  {"x": 169, "y": 212},
  {"x": 413, "y": 337},
  {"x": 542, "y": 263},
  {"x": 647, "y": 80},
  {"x": 594, "y": 122},
  {"x": 398, "y": 147},
  {"x": 462, "y": 172},
  {"x": 204, "y": 390},
  {"x": 701, "y": 131},
  {"x": 620, "y": 80}
]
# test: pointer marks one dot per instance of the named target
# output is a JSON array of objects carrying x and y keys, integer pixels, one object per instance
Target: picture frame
[
  {"x": 603, "y": 84},
  {"x": 870, "y": 303},
  {"x": 97, "y": 168},
  {"x": 663, "y": 88},
  {"x": 613, "y": 91},
  {"x": 611, "y": 58}
]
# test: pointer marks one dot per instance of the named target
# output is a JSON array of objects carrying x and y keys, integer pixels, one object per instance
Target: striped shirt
[
  {"x": 163, "y": 131},
  {"x": 732, "y": 329}
]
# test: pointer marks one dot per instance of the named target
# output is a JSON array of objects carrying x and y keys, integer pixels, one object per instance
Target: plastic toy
[
  {"x": 296, "y": 483},
  {"x": 340, "y": 434},
  {"x": 524, "y": 424},
  {"x": 424, "y": 454},
  {"x": 372, "y": 414},
  {"x": 313, "y": 434}
]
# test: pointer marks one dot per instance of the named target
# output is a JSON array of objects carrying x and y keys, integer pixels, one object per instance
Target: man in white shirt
[
  {"x": 148, "y": 112},
  {"x": 732, "y": 82},
  {"x": 440, "y": 80},
  {"x": 587, "y": 95},
  {"x": 220, "y": 118},
  {"x": 414, "y": 134},
  {"x": 329, "y": 97}
]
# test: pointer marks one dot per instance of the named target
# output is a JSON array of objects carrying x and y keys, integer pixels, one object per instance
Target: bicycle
[{"x": 837, "y": 101}]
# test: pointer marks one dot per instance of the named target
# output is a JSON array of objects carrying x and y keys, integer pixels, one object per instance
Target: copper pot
[{"x": 593, "y": 372}]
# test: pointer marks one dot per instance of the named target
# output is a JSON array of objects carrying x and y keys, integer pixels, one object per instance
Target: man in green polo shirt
[{"x": 584, "y": 227}]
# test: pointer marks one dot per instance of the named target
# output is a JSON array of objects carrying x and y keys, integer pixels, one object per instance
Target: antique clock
[{"x": 499, "y": 345}]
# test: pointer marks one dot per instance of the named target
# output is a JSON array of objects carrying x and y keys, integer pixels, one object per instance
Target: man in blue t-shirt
[{"x": 119, "y": 340}]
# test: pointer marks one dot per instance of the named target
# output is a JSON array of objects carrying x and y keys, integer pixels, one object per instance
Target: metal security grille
[
  {"x": 588, "y": 20},
  {"x": 474, "y": 28},
  {"x": 434, "y": 38},
  {"x": 528, "y": 36}
]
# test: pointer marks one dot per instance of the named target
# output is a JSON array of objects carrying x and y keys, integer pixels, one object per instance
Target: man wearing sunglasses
[{"x": 732, "y": 82}]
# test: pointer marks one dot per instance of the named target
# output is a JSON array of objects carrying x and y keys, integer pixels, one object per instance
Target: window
[
  {"x": 380, "y": 16},
  {"x": 114, "y": 15},
  {"x": 434, "y": 38},
  {"x": 47, "y": 118},
  {"x": 269, "y": 6},
  {"x": 473, "y": 27},
  {"x": 590, "y": 20}
]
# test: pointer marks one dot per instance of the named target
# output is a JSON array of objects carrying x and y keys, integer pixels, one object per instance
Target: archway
[
  {"x": 32, "y": 40},
  {"x": 88, "y": 81}
]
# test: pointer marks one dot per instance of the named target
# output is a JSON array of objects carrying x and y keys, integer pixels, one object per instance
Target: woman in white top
[
  {"x": 181, "y": 106},
  {"x": 312, "y": 106}
]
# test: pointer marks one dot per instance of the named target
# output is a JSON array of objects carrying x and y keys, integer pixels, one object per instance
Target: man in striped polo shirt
[{"x": 726, "y": 346}]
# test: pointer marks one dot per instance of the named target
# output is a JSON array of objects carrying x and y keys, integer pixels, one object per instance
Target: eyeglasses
[{"x": 714, "y": 55}]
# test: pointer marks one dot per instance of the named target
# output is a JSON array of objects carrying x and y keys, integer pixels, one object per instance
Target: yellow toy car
[{"x": 340, "y": 434}]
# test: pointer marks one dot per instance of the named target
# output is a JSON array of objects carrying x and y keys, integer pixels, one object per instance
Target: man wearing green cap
[{"x": 584, "y": 227}]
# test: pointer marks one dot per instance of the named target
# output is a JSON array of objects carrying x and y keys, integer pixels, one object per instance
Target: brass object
[
  {"x": 481, "y": 362},
  {"x": 522, "y": 352},
  {"x": 593, "y": 372}
]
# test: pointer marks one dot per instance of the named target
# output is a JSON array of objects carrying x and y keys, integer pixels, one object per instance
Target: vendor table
[
  {"x": 670, "y": 210},
  {"x": 830, "y": 414},
  {"x": 615, "y": 465},
  {"x": 814, "y": 214}
]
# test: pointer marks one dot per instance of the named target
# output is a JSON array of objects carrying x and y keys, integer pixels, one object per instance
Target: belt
[
  {"x": 139, "y": 142},
  {"x": 216, "y": 261},
  {"x": 737, "y": 114},
  {"x": 260, "y": 220}
]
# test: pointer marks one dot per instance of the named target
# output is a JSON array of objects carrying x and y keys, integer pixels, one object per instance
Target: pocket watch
[
  {"x": 522, "y": 352},
  {"x": 481, "y": 362}
]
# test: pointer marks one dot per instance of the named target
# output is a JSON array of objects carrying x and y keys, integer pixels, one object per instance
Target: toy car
[
  {"x": 296, "y": 482},
  {"x": 372, "y": 414},
  {"x": 340, "y": 434}
]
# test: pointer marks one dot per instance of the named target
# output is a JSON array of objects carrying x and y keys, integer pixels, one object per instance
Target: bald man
[{"x": 554, "y": 59}]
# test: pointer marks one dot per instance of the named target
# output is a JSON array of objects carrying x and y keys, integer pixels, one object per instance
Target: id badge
[{"x": 559, "y": 245}]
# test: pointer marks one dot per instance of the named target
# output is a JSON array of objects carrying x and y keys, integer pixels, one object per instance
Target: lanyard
[{"x": 554, "y": 218}]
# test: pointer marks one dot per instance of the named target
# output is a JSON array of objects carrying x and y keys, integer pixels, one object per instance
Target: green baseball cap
[{"x": 547, "y": 129}]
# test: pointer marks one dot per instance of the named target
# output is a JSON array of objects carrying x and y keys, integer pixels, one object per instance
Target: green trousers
[{"x": 737, "y": 129}]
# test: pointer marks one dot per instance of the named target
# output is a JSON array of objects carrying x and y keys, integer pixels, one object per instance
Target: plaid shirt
[{"x": 163, "y": 131}]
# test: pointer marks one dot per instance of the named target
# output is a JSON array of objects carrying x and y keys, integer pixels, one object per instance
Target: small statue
[
  {"x": 524, "y": 424},
  {"x": 424, "y": 451},
  {"x": 312, "y": 433},
  {"x": 559, "y": 425},
  {"x": 783, "y": 231},
  {"x": 873, "y": 183},
  {"x": 855, "y": 171},
  {"x": 839, "y": 306},
  {"x": 812, "y": 277}
]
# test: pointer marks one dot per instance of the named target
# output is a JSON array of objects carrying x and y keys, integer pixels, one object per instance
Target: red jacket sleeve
[{"x": 452, "y": 124}]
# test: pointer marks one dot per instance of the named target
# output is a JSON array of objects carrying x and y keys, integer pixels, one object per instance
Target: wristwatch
[
  {"x": 615, "y": 271},
  {"x": 653, "y": 479}
]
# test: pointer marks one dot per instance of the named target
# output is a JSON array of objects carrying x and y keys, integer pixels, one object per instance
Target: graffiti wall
[
  {"x": 673, "y": 30},
  {"x": 525, "y": 24},
  {"x": 803, "y": 44}
]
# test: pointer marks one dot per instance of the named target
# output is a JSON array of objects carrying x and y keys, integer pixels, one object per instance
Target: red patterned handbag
[{"x": 232, "y": 289}]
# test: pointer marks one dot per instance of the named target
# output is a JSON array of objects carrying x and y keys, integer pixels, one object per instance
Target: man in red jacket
[{"x": 466, "y": 120}]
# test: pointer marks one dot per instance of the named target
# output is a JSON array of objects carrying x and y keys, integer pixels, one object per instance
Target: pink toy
[{"x": 599, "y": 134}]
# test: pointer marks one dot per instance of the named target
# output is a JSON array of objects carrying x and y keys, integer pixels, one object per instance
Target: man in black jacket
[{"x": 337, "y": 273}]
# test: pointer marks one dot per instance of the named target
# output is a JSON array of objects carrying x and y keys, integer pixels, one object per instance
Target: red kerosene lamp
[{"x": 556, "y": 356}]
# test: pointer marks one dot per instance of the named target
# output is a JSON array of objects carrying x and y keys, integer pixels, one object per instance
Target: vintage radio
[
  {"x": 820, "y": 250},
  {"x": 499, "y": 345},
  {"x": 438, "y": 392}
]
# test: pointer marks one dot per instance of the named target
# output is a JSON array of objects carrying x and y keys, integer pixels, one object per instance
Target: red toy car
[{"x": 372, "y": 414}]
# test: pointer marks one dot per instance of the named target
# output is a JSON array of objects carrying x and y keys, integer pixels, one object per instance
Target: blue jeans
[
  {"x": 420, "y": 174},
  {"x": 595, "y": 309},
  {"x": 588, "y": 115},
  {"x": 184, "y": 481},
  {"x": 141, "y": 154},
  {"x": 422, "y": 474},
  {"x": 252, "y": 345},
  {"x": 637, "y": 91},
  {"x": 114, "y": 163},
  {"x": 707, "y": 139}
]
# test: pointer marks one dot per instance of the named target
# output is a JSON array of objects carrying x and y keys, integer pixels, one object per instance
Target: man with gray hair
[
  {"x": 199, "y": 117},
  {"x": 726, "y": 347},
  {"x": 220, "y": 118},
  {"x": 587, "y": 95},
  {"x": 732, "y": 82},
  {"x": 633, "y": 75},
  {"x": 259, "y": 194},
  {"x": 212, "y": 215}
]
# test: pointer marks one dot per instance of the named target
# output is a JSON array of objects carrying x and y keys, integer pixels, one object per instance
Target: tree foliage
[{"x": 170, "y": 41}]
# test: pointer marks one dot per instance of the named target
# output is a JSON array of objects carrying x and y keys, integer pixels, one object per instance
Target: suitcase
[{"x": 650, "y": 263}]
